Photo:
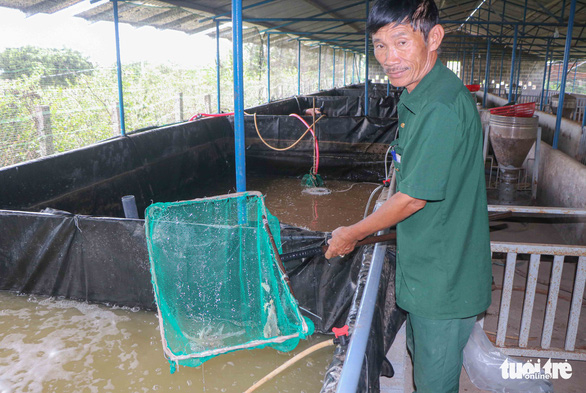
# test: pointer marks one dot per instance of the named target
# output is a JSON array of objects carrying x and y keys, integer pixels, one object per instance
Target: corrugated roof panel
[
  {"x": 193, "y": 16},
  {"x": 32, "y": 7}
]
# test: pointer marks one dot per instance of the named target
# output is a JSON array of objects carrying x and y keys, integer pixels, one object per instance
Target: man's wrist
[{"x": 357, "y": 232}]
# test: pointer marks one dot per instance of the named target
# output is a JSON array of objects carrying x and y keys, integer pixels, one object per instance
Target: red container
[
  {"x": 473, "y": 88},
  {"x": 517, "y": 110}
]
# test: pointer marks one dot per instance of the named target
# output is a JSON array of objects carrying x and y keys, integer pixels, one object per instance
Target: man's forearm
[{"x": 394, "y": 210}]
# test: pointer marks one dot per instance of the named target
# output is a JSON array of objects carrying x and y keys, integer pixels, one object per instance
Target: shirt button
[{"x": 402, "y": 125}]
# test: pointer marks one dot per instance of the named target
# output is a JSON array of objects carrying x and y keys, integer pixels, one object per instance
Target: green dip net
[{"x": 217, "y": 282}]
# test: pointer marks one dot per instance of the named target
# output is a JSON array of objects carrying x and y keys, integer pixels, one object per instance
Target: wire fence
[
  {"x": 39, "y": 120},
  {"x": 46, "y": 111}
]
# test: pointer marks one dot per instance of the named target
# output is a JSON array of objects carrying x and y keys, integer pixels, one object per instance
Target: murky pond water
[
  {"x": 292, "y": 204},
  {"x": 57, "y": 345}
]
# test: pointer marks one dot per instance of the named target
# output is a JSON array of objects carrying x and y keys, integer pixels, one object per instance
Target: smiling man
[{"x": 444, "y": 275}]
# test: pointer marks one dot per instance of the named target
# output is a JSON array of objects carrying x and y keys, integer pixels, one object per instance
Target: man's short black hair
[{"x": 423, "y": 15}]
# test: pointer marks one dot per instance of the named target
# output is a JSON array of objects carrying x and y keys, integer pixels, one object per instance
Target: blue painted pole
[
  {"x": 486, "y": 74},
  {"x": 353, "y": 65},
  {"x": 298, "y": 67},
  {"x": 472, "y": 68},
  {"x": 119, "y": 70},
  {"x": 319, "y": 69},
  {"x": 501, "y": 72},
  {"x": 518, "y": 74},
  {"x": 575, "y": 72},
  {"x": 218, "y": 68},
  {"x": 558, "y": 121},
  {"x": 548, "y": 78},
  {"x": 557, "y": 81},
  {"x": 359, "y": 69},
  {"x": 366, "y": 48},
  {"x": 464, "y": 67},
  {"x": 388, "y": 87},
  {"x": 334, "y": 68},
  {"x": 239, "y": 142},
  {"x": 344, "y": 82},
  {"x": 269, "y": 67},
  {"x": 512, "y": 78},
  {"x": 541, "y": 100}
]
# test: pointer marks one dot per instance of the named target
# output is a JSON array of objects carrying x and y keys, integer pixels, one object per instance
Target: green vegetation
[
  {"x": 83, "y": 99},
  {"x": 56, "y": 67}
]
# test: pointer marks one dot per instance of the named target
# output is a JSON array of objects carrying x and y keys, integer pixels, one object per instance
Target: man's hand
[{"x": 341, "y": 243}]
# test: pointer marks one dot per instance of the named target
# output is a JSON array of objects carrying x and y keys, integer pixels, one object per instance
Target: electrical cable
[
  {"x": 197, "y": 116},
  {"x": 309, "y": 129},
  {"x": 316, "y": 145},
  {"x": 349, "y": 188},
  {"x": 372, "y": 194},
  {"x": 386, "y": 161}
]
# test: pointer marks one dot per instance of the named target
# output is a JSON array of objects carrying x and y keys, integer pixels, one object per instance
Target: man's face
[{"x": 403, "y": 54}]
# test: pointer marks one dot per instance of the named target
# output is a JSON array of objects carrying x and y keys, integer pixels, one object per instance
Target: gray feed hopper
[{"x": 511, "y": 139}]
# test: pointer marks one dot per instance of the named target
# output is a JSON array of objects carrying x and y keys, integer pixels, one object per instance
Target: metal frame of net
[{"x": 217, "y": 282}]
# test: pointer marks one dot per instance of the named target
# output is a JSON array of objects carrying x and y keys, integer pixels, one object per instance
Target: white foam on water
[{"x": 65, "y": 340}]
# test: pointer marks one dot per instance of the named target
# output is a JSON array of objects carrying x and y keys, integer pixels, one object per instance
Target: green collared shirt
[{"x": 443, "y": 251}]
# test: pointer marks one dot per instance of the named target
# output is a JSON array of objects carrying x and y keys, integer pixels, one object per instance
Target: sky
[{"x": 96, "y": 40}]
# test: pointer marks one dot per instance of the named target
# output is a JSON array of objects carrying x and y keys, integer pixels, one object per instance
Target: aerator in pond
[{"x": 312, "y": 180}]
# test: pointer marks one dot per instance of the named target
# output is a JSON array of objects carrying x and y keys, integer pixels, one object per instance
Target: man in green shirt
[{"x": 444, "y": 271}]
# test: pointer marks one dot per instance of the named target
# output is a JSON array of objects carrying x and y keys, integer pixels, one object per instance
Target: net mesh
[{"x": 217, "y": 283}]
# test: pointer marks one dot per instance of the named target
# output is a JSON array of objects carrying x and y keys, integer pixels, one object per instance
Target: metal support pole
[
  {"x": 344, "y": 81},
  {"x": 512, "y": 78},
  {"x": 352, "y": 369},
  {"x": 353, "y": 65},
  {"x": 548, "y": 78},
  {"x": 472, "y": 68},
  {"x": 319, "y": 70},
  {"x": 359, "y": 69},
  {"x": 518, "y": 75},
  {"x": 268, "y": 67},
  {"x": 558, "y": 121},
  {"x": 119, "y": 69},
  {"x": 218, "y": 68},
  {"x": 334, "y": 68},
  {"x": 575, "y": 72},
  {"x": 464, "y": 66},
  {"x": 238, "y": 62},
  {"x": 535, "y": 180},
  {"x": 298, "y": 67},
  {"x": 501, "y": 72},
  {"x": 486, "y": 74},
  {"x": 366, "y": 40},
  {"x": 541, "y": 101}
]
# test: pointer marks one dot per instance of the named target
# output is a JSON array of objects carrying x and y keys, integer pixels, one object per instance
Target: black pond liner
[{"x": 63, "y": 234}]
